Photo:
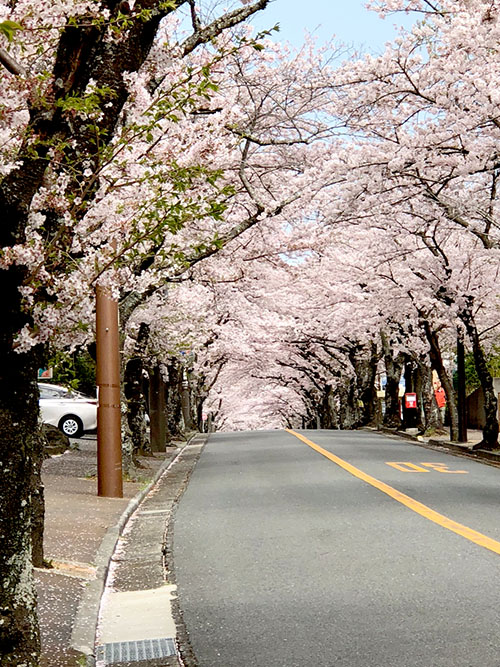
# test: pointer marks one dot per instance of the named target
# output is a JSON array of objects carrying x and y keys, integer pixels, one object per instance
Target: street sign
[{"x": 410, "y": 400}]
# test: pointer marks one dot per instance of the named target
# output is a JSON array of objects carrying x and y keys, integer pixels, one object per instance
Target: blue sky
[{"x": 348, "y": 20}]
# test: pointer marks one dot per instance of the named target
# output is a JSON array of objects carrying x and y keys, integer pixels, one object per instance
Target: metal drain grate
[{"x": 144, "y": 649}]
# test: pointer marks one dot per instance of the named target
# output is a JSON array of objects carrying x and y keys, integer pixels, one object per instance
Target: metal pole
[
  {"x": 109, "y": 445},
  {"x": 186, "y": 399},
  {"x": 461, "y": 392}
]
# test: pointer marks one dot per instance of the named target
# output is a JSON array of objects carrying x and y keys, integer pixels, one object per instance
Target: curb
[
  {"x": 453, "y": 447},
  {"x": 481, "y": 454},
  {"x": 85, "y": 625}
]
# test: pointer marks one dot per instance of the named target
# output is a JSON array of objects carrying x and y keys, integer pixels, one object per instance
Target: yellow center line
[{"x": 411, "y": 503}]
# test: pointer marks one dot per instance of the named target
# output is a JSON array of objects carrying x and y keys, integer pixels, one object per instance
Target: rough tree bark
[
  {"x": 393, "y": 370},
  {"x": 490, "y": 430},
  {"x": 349, "y": 413},
  {"x": 83, "y": 54},
  {"x": 431, "y": 416},
  {"x": 133, "y": 388},
  {"x": 38, "y": 502},
  {"x": 364, "y": 360},
  {"x": 157, "y": 409},
  {"x": 420, "y": 384},
  {"x": 438, "y": 365},
  {"x": 19, "y": 454},
  {"x": 328, "y": 409},
  {"x": 174, "y": 399}
]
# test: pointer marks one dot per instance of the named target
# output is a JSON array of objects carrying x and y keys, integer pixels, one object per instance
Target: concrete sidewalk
[
  {"x": 114, "y": 554},
  {"x": 442, "y": 440},
  {"x": 473, "y": 437},
  {"x": 136, "y": 624},
  {"x": 81, "y": 533}
]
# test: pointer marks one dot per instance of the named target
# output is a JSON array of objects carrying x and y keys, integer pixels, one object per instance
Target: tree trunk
[
  {"x": 157, "y": 407},
  {"x": 133, "y": 387},
  {"x": 311, "y": 409},
  {"x": 19, "y": 458},
  {"x": 364, "y": 360},
  {"x": 38, "y": 502},
  {"x": 174, "y": 400},
  {"x": 349, "y": 409},
  {"x": 409, "y": 414},
  {"x": 438, "y": 365},
  {"x": 82, "y": 54},
  {"x": 490, "y": 430},
  {"x": 328, "y": 411},
  {"x": 369, "y": 389},
  {"x": 421, "y": 377},
  {"x": 393, "y": 370},
  {"x": 431, "y": 415}
]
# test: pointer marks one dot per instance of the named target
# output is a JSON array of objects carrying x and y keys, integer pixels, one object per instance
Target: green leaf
[{"x": 9, "y": 28}]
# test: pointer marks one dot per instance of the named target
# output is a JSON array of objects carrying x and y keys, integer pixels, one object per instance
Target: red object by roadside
[
  {"x": 410, "y": 400},
  {"x": 440, "y": 397}
]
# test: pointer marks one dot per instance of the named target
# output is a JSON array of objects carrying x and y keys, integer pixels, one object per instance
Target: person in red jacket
[{"x": 440, "y": 397}]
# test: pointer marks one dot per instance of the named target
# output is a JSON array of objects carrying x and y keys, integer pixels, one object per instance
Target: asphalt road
[{"x": 284, "y": 558}]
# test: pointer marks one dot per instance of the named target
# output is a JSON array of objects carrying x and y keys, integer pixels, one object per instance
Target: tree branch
[
  {"x": 10, "y": 64},
  {"x": 204, "y": 35},
  {"x": 195, "y": 20}
]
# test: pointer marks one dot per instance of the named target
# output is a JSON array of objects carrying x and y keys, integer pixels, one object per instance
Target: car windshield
[{"x": 59, "y": 392}]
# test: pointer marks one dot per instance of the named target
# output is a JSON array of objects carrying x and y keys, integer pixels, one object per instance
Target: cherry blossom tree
[
  {"x": 415, "y": 177},
  {"x": 68, "y": 74},
  {"x": 290, "y": 223},
  {"x": 264, "y": 134},
  {"x": 422, "y": 125}
]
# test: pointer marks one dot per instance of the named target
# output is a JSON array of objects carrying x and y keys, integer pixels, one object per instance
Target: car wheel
[{"x": 71, "y": 426}]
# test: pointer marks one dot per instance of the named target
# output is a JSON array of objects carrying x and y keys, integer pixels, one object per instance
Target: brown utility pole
[{"x": 109, "y": 441}]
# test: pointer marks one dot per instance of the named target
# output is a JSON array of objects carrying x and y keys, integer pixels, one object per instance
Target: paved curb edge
[
  {"x": 85, "y": 625},
  {"x": 461, "y": 449},
  {"x": 185, "y": 653}
]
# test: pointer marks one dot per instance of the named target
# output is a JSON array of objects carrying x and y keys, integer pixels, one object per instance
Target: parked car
[{"x": 72, "y": 412}]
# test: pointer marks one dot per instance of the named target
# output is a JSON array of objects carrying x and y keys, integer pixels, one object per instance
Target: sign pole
[{"x": 461, "y": 393}]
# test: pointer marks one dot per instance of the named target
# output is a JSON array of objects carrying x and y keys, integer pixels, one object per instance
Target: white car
[{"x": 72, "y": 412}]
